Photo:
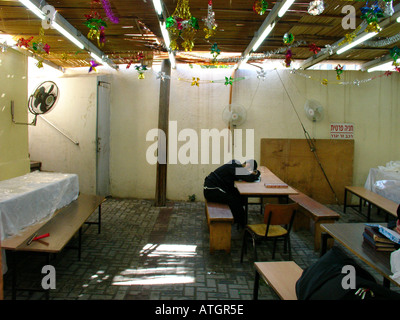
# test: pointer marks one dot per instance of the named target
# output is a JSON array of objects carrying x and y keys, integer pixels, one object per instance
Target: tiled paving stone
[{"x": 150, "y": 253}]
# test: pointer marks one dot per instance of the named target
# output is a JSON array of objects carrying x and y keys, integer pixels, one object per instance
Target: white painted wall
[
  {"x": 14, "y": 159},
  {"x": 75, "y": 115},
  {"x": 372, "y": 107}
]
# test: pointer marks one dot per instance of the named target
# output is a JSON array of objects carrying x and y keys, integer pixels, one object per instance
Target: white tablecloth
[
  {"x": 385, "y": 183},
  {"x": 33, "y": 197}
]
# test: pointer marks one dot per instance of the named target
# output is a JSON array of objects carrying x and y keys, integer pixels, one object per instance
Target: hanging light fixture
[{"x": 316, "y": 7}]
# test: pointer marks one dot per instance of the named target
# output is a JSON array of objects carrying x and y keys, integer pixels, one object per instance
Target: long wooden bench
[
  {"x": 281, "y": 276},
  {"x": 62, "y": 226},
  {"x": 219, "y": 221},
  {"x": 317, "y": 212},
  {"x": 372, "y": 198}
]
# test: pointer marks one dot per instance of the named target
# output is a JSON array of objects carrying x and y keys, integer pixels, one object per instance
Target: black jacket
[{"x": 225, "y": 176}]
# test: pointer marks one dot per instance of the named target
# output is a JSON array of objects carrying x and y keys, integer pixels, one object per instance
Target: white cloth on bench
[{"x": 30, "y": 198}]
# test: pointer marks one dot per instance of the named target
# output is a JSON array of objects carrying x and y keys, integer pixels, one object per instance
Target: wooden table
[
  {"x": 350, "y": 236},
  {"x": 259, "y": 190}
]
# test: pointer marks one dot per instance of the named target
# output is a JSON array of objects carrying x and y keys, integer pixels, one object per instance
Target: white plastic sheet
[
  {"x": 390, "y": 189},
  {"x": 395, "y": 265},
  {"x": 33, "y": 197},
  {"x": 385, "y": 181}
]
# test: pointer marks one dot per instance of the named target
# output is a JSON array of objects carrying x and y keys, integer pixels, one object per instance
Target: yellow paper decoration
[{"x": 195, "y": 81}]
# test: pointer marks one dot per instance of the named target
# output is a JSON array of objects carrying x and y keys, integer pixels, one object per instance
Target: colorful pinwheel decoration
[
  {"x": 288, "y": 38},
  {"x": 339, "y": 71},
  {"x": 314, "y": 48},
  {"x": 21, "y": 42},
  {"x": 162, "y": 76},
  {"x": 215, "y": 51},
  {"x": 228, "y": 81},
  {"x": 141, "y": 69},
  {"x": 195, "y": 81},
  {"x": 395, "y": 54},
  {"x": 93, "y": 65},
  {"x": 261, "y": 74},
  {"x": 260, "y": 7}
]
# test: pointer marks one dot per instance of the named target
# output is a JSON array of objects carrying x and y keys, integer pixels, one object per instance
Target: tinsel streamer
[
  {"x": 107, "y": 8},
  {"x": 382, "y": 43}
]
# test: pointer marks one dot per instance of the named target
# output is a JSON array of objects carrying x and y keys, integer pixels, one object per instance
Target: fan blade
[{"x": 51, "y": 89}]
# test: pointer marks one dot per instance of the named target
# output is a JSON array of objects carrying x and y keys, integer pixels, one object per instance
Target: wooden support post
[{"x": 163, "y": 113}]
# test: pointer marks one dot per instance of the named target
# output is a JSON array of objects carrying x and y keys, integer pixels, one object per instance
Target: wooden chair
[{"x": 278, "y": 221}]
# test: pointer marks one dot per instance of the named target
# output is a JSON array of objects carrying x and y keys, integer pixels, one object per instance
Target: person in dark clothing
[{"x": 219, "y": 186}]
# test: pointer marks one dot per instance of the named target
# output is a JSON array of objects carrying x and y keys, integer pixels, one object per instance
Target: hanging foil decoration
[
  {"x": 195, "y": 81},
  {"x": 288, "y": 38},
  {"x": 372, "y": 13},
  {"x": 96, "y": 25},
  {"x": 339, "y": 71},
  {"x": 314, "y": 48},
  {"x": 288, "y": 58},
  {"x": 93, "y": 65},
  {"x": 215, "y": 51},
  {"x": 395, "y": 54},
  {"x": 182, "y": 25},
  {"x": 386, "y": 7},
  {"x": 316, "y": 7},
  {"x": 260, "y": 7},
  {"x": 162, "y": 76},
  {"x": 261, "y": 74},
  {"x": 141, "y": 69},
  {"x": 24, "y": 42},
  {"x": 210, "y": 26},
  {"x": 3, "y": 46}
]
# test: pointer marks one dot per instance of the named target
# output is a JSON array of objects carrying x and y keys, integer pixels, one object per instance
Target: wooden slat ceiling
[{"x": 138, "y": 29}]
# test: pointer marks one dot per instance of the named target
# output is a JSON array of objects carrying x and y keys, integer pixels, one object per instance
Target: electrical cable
[{"x": 309, "y": 140}]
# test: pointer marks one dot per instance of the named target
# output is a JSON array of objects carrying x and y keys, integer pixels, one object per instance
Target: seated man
[{"x": 219, "y": 186}]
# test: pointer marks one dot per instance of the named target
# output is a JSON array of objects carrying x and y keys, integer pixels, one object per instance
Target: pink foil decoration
[{"x": 108, "y": 10}]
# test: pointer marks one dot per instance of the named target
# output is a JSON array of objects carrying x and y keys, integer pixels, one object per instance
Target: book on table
[
  {"x": 276, "y": 185},
  {"x": 377, "y": 240}
]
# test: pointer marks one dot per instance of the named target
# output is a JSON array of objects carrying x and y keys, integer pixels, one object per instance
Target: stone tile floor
[{"x": 149, "y": 253}]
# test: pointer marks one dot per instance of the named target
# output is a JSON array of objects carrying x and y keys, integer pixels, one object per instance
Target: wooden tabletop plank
[
  {"x": 259, "y": 188},
  {"x": 63, "y": 226},
  {"x": 350, "y": 236},
  {"x": 281, "y": 276}
]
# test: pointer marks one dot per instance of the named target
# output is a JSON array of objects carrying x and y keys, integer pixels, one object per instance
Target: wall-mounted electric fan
[
  {"x": 314, "y": 110},
  {"x": 234, "y": 114},
  {"x": 41, "y": 101}
]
